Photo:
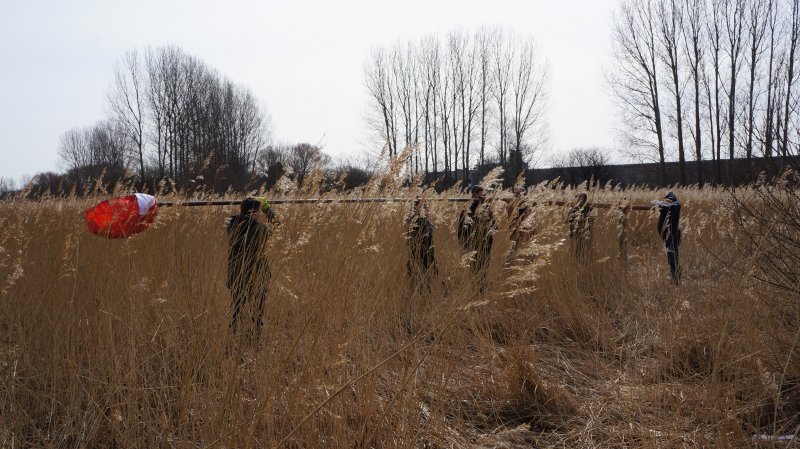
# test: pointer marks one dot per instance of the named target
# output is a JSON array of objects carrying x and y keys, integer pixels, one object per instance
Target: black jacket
[
  {"x": 247, "y": 263},
  {"x": 476, "y": 228},
  {"x": 581, "y": 221},
  {"x": 419, "y": 232},
  {"x": 668, "y": 221}
]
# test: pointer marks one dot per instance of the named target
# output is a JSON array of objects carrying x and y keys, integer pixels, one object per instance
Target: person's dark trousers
[
  {"x": 421, "y": 273},
  {"x": 674, "y": 262},
  {"x": 581, "y": 247},
  {"x": 239, "y": 300},
  {"x": 479, "y": 268}
]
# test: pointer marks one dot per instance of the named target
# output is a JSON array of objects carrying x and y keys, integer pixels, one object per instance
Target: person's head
[
  {"x": 671, "y": 197},
  {"x": 250, "y": 207},
  {"x": 478, "y": 193},
  {"x": 581, "y": 198}
]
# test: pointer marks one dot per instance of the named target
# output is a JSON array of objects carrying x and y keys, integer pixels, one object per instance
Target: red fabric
[{"x": 119, "y": 218}]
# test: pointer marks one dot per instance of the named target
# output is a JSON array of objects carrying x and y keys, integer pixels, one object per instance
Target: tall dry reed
[{"x": 125, "y": 343}]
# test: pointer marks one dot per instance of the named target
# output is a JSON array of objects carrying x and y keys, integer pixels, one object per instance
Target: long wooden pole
[{"x": 382, "y": 200}]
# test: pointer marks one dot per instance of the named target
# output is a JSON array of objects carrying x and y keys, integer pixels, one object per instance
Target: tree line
[
  {"x": 693, "y": 79},
  {"x": 468, "y": 99},
  {"x": 707, "y": 79},
  {"x": 173, "y": 121},
  {"x": 170, "y": 116}
]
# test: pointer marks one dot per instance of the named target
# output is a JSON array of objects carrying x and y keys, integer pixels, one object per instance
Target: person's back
[
  {"x": 517, "y": 211},
  {"x": 248, "y": 269},
  {"x": 484, "y": 229},
  {"x": 465, "y": 226},
  {"x": 669, "y": 221},
  {"x": 420, "y": 235},
  {"x": 580, "y": 218},
  {"x": 668, "y": 229},
  {"x": 476, "y": 231},
  {"x": 421, "y": 258},
  {"x": 246, "y": 237}
]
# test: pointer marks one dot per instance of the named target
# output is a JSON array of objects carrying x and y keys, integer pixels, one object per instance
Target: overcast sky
[{"x": 303, "y": 59}]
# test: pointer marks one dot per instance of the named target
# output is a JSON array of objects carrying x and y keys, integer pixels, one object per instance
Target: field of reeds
[{"x": 125, "y": 343}]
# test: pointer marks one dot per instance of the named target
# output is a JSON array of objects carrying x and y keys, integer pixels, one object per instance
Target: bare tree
[
  {"x": 303, "y": 159},
  {"x": 446, "y": 116},
  {"x": 73, "y": 150},
  {"x": 758, "y": 11},
  {"x": 772, "y": 77},
  {"x": 503, "y": 58},
  {"x": 272, "y": 156},
  {"x": 585, "y": 165},
  {"x": 670, "y": 16},
  {"x": 193, "y": 120},
  {"x": 714, "y": 25},
  {"x": 382, "y": 102},
  {"x": 694, "y": 42},
  {"x": 467, "y": 94},
  {"x": 126, "y": 101},
  {"x": 87, "y": 153},
  {"x": 794, "y": 40},
  {"x": 456, "y": 48},
  {"x": 529, "y": 84},
  {"x": 430, "y": 60},
  {"x": 7, "y": 185},
  {"x": 734, "y": 25},
  {"x": 403, "y": 73},
  {"x": 635, "y": 83},
  {"x": 481, "y": 88},
  {"x": 484, "y": 46}
]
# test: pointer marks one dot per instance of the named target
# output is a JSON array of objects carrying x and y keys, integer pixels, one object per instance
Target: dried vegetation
[{"x": 125, "y": 343}]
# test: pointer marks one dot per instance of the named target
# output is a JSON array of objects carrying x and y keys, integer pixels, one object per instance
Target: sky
[{"x": 303, "y": 59}]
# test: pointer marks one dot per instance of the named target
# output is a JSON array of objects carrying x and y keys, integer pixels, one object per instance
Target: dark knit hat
[{"x": 249, "y": 206}]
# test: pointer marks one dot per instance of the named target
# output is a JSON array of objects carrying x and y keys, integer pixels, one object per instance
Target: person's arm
[
  {"x": 492, "y": 221},
  {"x": 666, "y": 204},
  {"x": 662, "y": 218}
]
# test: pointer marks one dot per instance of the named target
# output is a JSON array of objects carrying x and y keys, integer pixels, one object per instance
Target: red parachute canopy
[{"x": 122, "y": 217}]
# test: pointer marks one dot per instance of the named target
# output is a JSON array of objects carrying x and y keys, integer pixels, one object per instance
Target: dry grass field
[{"x": 125, "y": 343}]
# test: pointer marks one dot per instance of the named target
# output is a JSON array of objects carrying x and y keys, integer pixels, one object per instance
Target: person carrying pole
[
  {"x": 248, "y": 267},
  {"x": 421, "y": 258},
  {"x": 669, "y": 218},
  {"x": 476, "y": 229},
  {"x": 520, "y": 232},
  {"x": 580, "y": 219}
]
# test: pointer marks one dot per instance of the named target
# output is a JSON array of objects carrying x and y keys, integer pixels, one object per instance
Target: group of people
[
  {"x": 477, "y": 226},
  {"x": 249, "y": 273},
  {"x": 475, "y": 230}
]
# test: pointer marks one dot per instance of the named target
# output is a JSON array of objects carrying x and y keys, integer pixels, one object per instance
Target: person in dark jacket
[
  {"x": 520, "y": 230},
  {"x": 580, "y": 219},
  {"x": 421, "y": 257},
  {"x": 248, "y": 268},
  {"x": 476, "y": 229},
  {"x": 668, "y": 228}
]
